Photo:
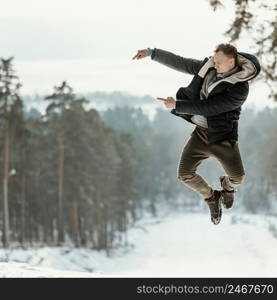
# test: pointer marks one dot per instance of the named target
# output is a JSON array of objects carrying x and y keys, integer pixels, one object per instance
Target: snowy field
[{"x": 178, "y": 245}]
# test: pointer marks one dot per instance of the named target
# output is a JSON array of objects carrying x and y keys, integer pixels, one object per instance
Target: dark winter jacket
[{"x": 226, "y": 96}]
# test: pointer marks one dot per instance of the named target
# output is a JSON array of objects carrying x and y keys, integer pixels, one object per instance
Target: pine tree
[
  {"x": 60, "y": 100},
  {"x": 9, "y": 88}
]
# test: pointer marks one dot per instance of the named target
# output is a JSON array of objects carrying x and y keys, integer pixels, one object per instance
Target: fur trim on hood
[{"x": 249, "y": 69}]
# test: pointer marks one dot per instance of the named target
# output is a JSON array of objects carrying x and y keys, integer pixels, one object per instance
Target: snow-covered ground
[{"x": 178, "y": 245}]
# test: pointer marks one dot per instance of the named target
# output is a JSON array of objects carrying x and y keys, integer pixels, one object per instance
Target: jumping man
[{"x": 212, "y": 101}]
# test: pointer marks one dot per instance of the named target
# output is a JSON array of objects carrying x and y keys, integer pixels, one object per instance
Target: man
[{"x": 212, "y": 101}]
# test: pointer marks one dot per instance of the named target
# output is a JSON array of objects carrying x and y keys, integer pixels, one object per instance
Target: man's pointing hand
[
  {"x": 140, "y": 54},
  {"x": 169, "y": 102}
]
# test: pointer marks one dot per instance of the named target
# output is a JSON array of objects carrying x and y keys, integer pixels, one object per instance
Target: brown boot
[
  {"x": 214, "y": 203},
  {"x": 227, "y": 196}
]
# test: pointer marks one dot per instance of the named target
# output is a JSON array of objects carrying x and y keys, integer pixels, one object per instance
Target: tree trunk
[
  {"x": 22, "y": 229},
  {"x": 60, "y": 201},
  {"x": 75, "y": 226},
  {"x": 6, "y": 231}
]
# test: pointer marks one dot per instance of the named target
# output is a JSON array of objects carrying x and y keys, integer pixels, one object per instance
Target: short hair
[{"x": 229, "y": 50}]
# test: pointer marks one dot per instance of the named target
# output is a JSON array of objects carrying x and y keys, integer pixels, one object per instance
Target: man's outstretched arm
[{"x": 176, "y": 62}]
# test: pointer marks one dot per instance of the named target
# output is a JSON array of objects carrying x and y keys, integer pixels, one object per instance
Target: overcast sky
[{"x": 90, "y": 43}]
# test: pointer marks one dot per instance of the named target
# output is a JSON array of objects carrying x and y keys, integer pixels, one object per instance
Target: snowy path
[
  {"x": 189, "y": 246},
  {"x": 181, "y": 245},
  {"x": 16, "y": 270}
]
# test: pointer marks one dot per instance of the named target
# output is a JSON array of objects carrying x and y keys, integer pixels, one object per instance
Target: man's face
[{"x": 223, "y": 63}]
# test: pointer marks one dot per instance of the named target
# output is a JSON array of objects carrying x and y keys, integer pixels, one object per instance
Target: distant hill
[{"x": 101, "y": 100}]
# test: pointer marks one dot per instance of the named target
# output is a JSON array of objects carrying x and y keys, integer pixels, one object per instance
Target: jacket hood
[{"x": 249, "y": 68}]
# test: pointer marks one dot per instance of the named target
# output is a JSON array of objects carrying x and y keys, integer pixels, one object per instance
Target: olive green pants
[{"x": 197, "y": 149}]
